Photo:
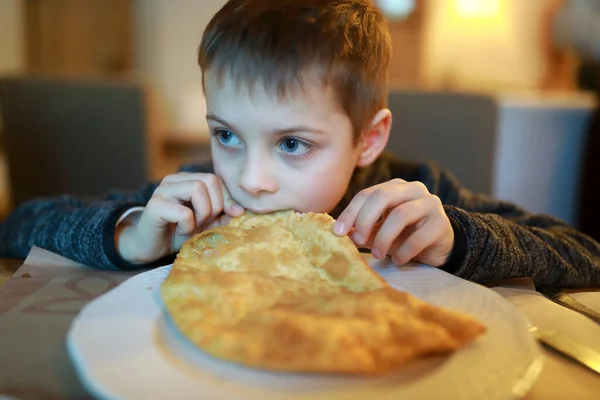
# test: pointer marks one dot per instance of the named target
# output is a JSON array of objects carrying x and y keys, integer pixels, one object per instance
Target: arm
[
  {"x": 498, "y": 240},
  {"x": 74, "y": 228},
  {"x": 81, "y": 230}
]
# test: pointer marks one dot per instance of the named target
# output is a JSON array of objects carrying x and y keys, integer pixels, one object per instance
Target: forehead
[{"x": 310, "y": 101}]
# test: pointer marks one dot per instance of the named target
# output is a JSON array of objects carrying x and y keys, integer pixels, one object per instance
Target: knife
[
  {"x": 565, "y": 300},
  {"x": 563, "y": 344}
]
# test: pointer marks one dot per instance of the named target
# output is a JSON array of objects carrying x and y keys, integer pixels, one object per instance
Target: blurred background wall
[
  {"x": 11, "y": 61},
  {"x": 11, "y": 36},
  {"x": 463, "y": 44},
  {"x": 500, "y": 52}
]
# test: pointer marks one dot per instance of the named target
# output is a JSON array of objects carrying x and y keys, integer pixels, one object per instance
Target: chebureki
[{"x": 282, "y": 292}]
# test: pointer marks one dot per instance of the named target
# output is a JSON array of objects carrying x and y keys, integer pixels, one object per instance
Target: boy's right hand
[{"x": 182, "y": 205}]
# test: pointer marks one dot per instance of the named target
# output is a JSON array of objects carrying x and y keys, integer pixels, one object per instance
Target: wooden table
[
  {"x": 8, "y": 266},
  {"x": 560, "y": 377}
]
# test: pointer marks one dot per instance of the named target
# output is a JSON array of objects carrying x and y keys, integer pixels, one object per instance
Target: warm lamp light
[{"x": 477, "y": 8}]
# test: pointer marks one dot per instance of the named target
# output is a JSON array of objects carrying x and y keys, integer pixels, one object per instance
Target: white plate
[{"x": 123, "y": 347}]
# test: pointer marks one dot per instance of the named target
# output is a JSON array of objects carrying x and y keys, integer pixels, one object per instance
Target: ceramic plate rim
[{"x": 520, "y": 387}]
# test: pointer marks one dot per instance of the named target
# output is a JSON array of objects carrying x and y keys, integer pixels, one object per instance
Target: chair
[
  {"x": 458, "y": 131},
  {"x": 73, "y": 136},
  {"x": 523, "y": 149}
]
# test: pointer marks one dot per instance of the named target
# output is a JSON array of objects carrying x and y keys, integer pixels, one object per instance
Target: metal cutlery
[
  {"x": 564, "y": 299},
  {"x": 574, "y": 350}
]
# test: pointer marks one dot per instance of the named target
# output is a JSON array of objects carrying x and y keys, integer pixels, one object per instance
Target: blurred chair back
[
  {"x": 456, "y": 130},
  {"x": 77, "y": 137}
]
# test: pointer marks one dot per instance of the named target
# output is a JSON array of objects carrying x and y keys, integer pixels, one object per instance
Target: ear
[{"x": 374, "y": 138}]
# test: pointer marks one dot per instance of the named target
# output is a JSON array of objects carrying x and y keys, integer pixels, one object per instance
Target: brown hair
[{"x": 276, "y": 42}]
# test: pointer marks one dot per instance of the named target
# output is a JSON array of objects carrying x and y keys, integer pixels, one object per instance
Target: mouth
[
  {"x": 265, "y": 210},
  {"x": 260, "y": 211}
]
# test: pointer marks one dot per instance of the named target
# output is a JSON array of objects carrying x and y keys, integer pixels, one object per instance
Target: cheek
[
  {"x": 225, "y": 169},
  {"x": 327, "y": 182},
  {"x": 320, "y": 193}
]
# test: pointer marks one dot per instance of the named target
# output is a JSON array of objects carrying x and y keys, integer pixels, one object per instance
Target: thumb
[
  {"x": 180, "y": 239},
  {"x": 230, "y": 206},
  {"x": 221, "y": 220}
]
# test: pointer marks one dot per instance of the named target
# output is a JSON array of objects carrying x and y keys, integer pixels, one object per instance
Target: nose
[{"x": 258, "y": 177}]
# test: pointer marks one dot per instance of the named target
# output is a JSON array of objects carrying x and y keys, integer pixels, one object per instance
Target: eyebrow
[{"x": 277, "y": 132}]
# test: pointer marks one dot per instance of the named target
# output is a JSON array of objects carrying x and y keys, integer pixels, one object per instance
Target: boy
[{"x": 296, "y": 94}]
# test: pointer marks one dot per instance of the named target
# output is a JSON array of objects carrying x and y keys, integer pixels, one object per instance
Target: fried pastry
[{"x": 282, "y": 292}]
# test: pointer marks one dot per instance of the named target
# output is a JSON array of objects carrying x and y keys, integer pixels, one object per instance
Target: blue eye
[
  {"x": 294, "y": 147},
  {"x": 291, "y": 145},
  {"x": 227, "y": 138}
]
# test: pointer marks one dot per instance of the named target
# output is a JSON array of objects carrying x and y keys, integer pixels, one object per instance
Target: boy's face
[{"x": 274, "y": 154}]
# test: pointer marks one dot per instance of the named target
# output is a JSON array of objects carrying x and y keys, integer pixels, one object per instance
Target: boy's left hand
[{"x": 401, "y": 219}]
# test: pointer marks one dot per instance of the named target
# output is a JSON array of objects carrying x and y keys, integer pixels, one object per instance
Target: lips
[{"x": 259, "y": 211}]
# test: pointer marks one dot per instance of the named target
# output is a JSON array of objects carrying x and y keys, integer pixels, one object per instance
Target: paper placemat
[{"x": 37, "y": 306}]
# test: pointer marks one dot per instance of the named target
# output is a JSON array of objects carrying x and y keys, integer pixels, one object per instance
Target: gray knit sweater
[{"x": 493, "y": 239}]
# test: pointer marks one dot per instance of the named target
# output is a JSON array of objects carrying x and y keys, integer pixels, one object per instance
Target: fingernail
[
  {"x": 358, "y": 238},
  {"x": 236, "y": 208},
  {"x": 376, "y": 253},
  {"x": 338, "y": 228}
]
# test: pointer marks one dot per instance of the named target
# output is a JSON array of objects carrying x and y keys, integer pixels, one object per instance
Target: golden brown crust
[
  {"x": 282, "y": 292},
  {"x": 284, "y": 243}
]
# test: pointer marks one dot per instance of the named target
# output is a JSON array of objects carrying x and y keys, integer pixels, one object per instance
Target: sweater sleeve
[
  {"x": 496, "y": 240},
  {"x": 79, "y": 229}
]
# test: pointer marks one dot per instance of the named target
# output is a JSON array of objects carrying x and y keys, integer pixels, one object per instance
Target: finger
[
  {"x": 383, "y": 199},
  {"x": 185, "y": 176},
  {"x": 222, "y": 220},
  {"x": 214, "y": 186},
  {"x": 189, "y": 191},
  {"x": 370, "y": 204},
  {"x": 345, "y": 221},
  {"x": 399, "y": 219},
  {"x": 369, "y": 216},
  {"x": 161, "y": 212},
  {"x": 218, "y": 194},
  {"x": 406, "y": 233},
  {"x": 380, "y": 201},
  {"x": 420, "y": 240},
  {"x": 230, "y": 206},
  {"x": 397, "y": 244},
  {"x": 201, "y": 202},
  {"x": 180, "y": 238},
  {"x": 368, "y": 243}
]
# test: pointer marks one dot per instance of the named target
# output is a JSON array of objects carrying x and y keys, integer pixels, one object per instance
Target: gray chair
[
  {"x": 458, "y": 131},
  {"x": 524, "y": 150},
  {"x": 81, "y": 137}
]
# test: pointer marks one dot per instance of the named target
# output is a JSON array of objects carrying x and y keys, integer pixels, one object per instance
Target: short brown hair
[{"x": 276, "y": 42}]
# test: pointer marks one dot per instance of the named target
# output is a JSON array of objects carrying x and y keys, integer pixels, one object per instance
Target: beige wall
[
  {"x": 11, "y": 36},
  {"x": 466, "y": 43},
  {"x": 11, "y": 61},
  {"x": 489, "y": 43},
  {"x": 460, "y": 47},
  {"x": 167, "y": 34}
]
